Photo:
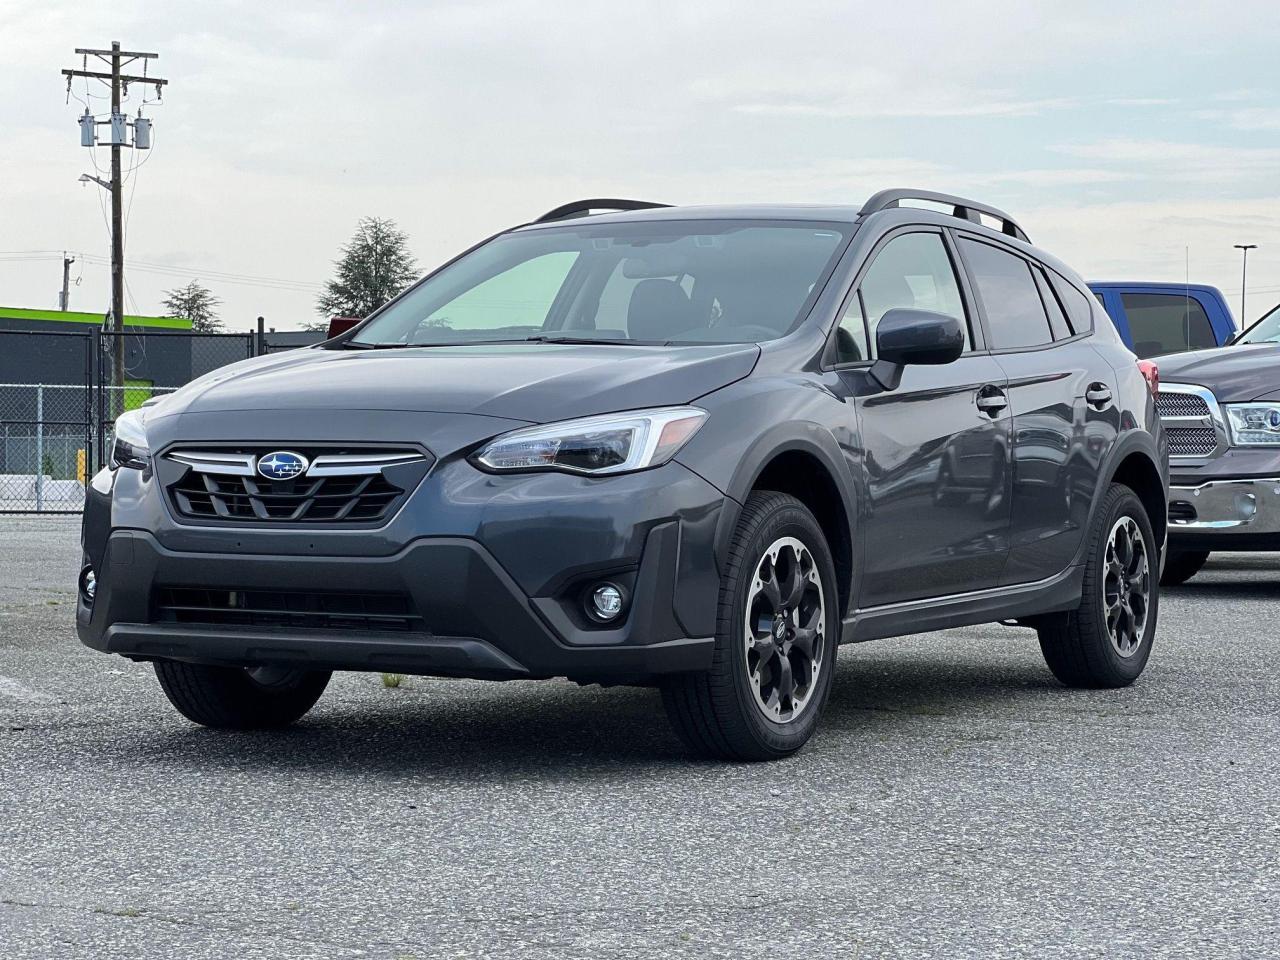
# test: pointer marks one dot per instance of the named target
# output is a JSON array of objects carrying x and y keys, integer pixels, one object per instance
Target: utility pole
[
  {"x": 117, "y": 58},
  {"x": 65, "y": 297},
  {"x": 1244, "y": 248}
]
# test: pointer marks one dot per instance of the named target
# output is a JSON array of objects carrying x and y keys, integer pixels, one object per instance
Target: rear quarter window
[{"x": 1076, "y": 304}]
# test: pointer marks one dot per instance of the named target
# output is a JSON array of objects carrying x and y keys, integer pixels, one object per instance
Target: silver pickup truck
[{"x": 1221, "y": 411}]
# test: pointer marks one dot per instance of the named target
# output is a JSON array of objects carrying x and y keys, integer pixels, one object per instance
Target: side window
[
  {"x": 518, "y": 297},
  {"x": 1015, "y": 313},
  {"x": 913, "y": 271},
  {"x": 1166, "y": 323},
  {"x": 1079, "y": 313},
  {"x": 1057, "y": 318},
  {"x": 851, "y": 337}
]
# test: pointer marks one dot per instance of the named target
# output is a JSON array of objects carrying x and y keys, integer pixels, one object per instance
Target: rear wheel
[
  {"x": 1106, "y": 640},
  {"x": 776, "y": 640},
  {"x": 240, "y": 698},
  {"x": 1182, "y": 566}
]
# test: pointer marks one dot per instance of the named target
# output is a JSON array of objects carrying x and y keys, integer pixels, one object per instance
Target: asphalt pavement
[{"x": 956, "y": 803}]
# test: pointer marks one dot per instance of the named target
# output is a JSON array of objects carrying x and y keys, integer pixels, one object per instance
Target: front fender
[{"x": 732, "y": 451}]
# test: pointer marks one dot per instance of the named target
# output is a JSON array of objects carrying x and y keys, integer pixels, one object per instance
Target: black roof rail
[
  {"x": 960, "y": 207},
  {"x": 580, "y": 207}
]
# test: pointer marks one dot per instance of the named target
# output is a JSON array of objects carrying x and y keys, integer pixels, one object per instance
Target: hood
[
  {"x": 1240, "y": 373},
  {"x": 536, "y": 383}
]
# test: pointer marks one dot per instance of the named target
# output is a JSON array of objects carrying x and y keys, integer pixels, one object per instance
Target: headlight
[
  {"x": 130, "y": 447},
  {"x": 614, "y": 443},
  {"x": 1254, "y": 424}
]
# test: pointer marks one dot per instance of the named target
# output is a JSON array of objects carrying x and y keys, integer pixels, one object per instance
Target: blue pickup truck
[{"x": 1162, "y": 318}]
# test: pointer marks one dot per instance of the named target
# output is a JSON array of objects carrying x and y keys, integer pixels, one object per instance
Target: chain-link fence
[
  {"x": 46, "y": 447},
  {"x": 60, "y": 395},
  {"x": 147, "y": 360}
]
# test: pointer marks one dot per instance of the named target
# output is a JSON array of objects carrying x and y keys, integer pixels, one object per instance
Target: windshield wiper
[
  {"x": 544, "y": 338},
  {"x": 358, "y": 345}
]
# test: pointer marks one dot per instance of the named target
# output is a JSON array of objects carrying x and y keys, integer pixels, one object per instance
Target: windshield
[
  {"x": 697, "y": 281},
  {"x": 1266, "y": 330}
]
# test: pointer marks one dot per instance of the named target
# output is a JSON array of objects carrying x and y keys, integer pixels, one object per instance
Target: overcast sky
[{"x": 1118, "y": 133}]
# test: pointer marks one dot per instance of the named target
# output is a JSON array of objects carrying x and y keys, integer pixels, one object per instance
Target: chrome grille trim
[
  {"x": 325, "y": 465},
  {"x": 233, "y": 464},
  {"x": 1194, "y": 423},
  {"x": 357, "y": 464}
]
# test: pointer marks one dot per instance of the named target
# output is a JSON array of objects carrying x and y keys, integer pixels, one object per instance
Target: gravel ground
[{"x": 957, "y": 803}]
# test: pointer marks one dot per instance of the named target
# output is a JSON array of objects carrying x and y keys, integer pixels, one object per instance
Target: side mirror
[
  {"x": 906, "y": 336},
  {"x": 340, "y": 325}
]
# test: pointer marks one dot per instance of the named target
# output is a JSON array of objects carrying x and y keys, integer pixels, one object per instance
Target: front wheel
[
  {"x": 240, "y": 698},
  {"x": 776, "y": 640},
  {"x": 1106, "y": 640}
]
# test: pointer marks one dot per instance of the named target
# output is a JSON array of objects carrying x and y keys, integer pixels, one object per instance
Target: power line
[{"x": 119, "y": 126}]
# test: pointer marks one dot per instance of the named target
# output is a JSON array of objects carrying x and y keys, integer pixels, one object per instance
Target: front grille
[
  {"x": 341, "y": 485},
  {"x": 1192, "y": 441},
  {"x": 370, "y": 612},
  {"x": 1181, "y": 405},
  {"x": 208, "y": 496}
]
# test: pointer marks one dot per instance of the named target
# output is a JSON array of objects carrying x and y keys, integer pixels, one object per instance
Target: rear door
[{"x": 1061, "y": 399}]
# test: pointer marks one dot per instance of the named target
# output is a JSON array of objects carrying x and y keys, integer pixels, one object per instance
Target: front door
[{"x": 935, "y": 448}]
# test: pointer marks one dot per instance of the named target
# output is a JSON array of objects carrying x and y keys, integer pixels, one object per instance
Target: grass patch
[
  {"x": 392, "y": 680},
  {"x": 125, "y": 912}
]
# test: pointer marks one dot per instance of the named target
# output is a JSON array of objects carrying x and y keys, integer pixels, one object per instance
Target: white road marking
[{"x": 14, "y": 690}]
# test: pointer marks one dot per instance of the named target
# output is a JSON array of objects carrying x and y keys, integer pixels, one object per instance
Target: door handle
[
  {"x": 1098, "y": 396},
  {"x": 991, "y": 400}
]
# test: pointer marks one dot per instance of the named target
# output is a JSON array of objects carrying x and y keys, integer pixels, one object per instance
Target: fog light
[
  {"x": 606, "y": 601},
  {"x": 88, "y": 584},
  {"x": 1246, "y": 506}
]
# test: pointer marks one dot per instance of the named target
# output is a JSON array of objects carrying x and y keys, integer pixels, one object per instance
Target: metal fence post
[{"x": 39, "y": 447}]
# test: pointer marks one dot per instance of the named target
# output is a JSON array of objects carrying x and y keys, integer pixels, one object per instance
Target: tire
[
  {"x": 1182, "y": 565},
  {"x": 237, "y": 698},
  {"x": 722, "y": 713},
  {"x": 1078, "y": 645}
]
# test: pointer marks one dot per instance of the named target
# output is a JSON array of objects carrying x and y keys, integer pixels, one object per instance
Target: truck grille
[
  {"x": 369, "y": 612},
  {"x": 1181, "y": 405},
  {"x": 1191, "y": 420},
  {"x": 1191, "y": 441}
]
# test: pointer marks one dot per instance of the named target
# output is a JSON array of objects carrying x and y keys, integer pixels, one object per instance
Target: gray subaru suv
[{"x": 692, "y": 447}]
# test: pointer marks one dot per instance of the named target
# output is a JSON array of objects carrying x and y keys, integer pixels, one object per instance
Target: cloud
[
  {"x": 1181, "y": 161},
  {"x": 1140, "y": 102},
  {"x": 1250, "y": 119}
]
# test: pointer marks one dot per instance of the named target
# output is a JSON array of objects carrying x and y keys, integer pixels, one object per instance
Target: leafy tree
[
  {"x": 195, "y": 302},
  {"x": 374, "y": 267}
]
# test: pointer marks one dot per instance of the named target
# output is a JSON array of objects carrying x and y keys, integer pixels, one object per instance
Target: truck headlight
[
  {"x": 595, "y": 446},
  {"x": 130, "y": 448},
  {"x": 1253, "y": 424}
]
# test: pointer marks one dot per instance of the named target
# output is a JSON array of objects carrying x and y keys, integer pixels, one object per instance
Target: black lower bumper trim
[
  {"x": 422, "y": 654},
  {"x": 478, "y": 622}
]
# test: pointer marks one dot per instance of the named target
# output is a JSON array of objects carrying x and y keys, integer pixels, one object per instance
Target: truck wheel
[
  {"x": 776, "y": 640},
  {"x": 240, "y": 698},
  {"x": 1105, "y": 642},
  {"x": 1181, "y": 566}
]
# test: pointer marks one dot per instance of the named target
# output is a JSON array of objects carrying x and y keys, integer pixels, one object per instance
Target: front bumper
[
  {"x": 480, "y": 622},
  {"x": 1226, "y": 514},
  {"x": 494, "y": 566}
]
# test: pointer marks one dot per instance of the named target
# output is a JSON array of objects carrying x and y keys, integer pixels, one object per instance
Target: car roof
[
  {"x": 832, "y": 213},
  {"x": 850, "y": 214}
]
